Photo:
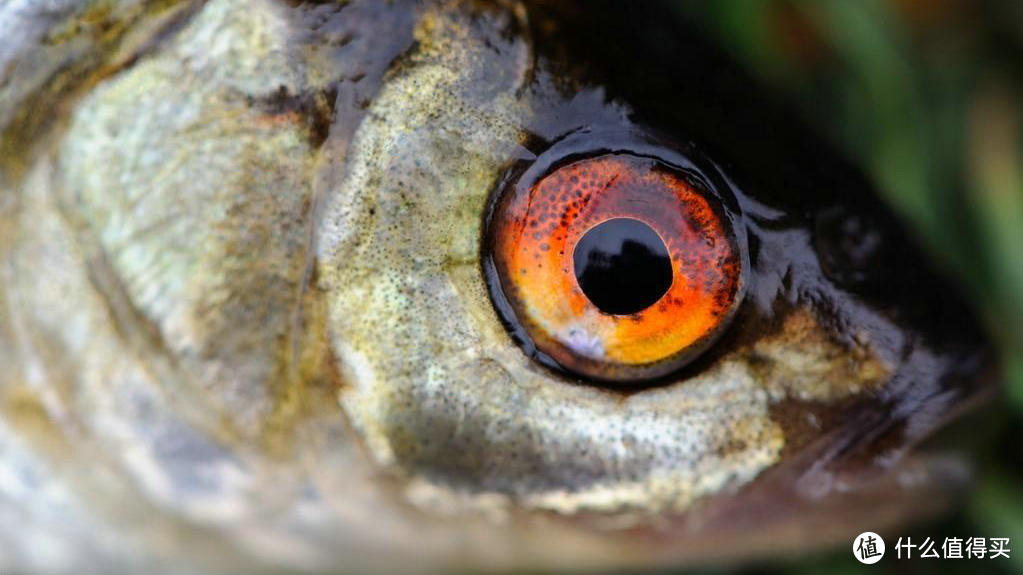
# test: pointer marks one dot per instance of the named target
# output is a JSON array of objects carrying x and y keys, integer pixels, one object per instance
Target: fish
[{"x": 249, "y": 323}]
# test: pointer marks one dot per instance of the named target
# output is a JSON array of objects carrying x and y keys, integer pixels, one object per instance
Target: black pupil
[{"x": 622, "y": 266}]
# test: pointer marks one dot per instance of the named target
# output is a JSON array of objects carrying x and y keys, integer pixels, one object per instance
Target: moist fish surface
[{"x": 245, "y": 322}]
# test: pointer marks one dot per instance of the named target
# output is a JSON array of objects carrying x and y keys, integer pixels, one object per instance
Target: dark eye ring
[{"x": 615, "y": 259}]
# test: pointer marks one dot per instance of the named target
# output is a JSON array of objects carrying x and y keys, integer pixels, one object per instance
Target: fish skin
[{"x": 244, "y": 324}]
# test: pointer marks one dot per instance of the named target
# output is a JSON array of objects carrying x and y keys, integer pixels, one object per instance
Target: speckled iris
[{"x": 534, "y": 235}]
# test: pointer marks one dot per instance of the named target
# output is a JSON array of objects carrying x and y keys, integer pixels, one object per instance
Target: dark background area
[{"x": 926, "y": 96}]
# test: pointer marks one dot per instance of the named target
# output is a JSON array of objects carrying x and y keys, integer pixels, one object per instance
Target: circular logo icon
[{"x": 868, "y": 547}]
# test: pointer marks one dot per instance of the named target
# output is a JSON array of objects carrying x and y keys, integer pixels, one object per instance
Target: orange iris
[{"x": 534, "y": 232}]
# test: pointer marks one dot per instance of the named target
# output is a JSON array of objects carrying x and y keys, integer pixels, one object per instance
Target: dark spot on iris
[{"x": 622, "y": 266}]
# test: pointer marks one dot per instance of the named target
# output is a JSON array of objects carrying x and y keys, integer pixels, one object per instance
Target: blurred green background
[{"x": 927, "y": 96}]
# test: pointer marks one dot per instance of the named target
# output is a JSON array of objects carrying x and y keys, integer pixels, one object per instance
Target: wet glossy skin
[{"x": 245, "y": 325}]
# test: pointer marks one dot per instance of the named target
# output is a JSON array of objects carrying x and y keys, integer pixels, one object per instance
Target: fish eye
[{"x": 615, "y": 266}]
